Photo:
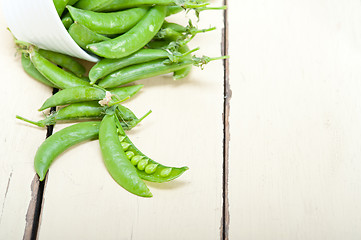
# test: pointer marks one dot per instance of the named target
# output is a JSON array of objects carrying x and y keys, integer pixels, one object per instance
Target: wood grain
[
  {"x": 295, "y": 120},
  {"x": 20, "y": 95}
]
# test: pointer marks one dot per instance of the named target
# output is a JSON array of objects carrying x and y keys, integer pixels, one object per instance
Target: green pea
[
  {"x": 151, "y": 168},
  {"x": 165, "y": 172},
  {"x": 125, "y": 146},
  {"x": 121, "y": 138},
  {"x": 129, "y": 154},
  {"x": 142, "y": 164},
  {"x": 135, "y": 160}
]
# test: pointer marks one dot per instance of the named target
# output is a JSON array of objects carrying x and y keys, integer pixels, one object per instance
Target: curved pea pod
[
  {"x": 57, "y": 143},
  {"x": 141, "y": 71},
  {"x": 108, "y": 23},
  {"x": 84, "y": 94},
  {"x": 53, "y": 73},
  {"x": 149, "y": 169},
  {"x": 116, "y": 161},
  {"x": 64, "y": 61},
  {"x": 33, "y": 72},
  {"x": 134, "y": 39},
  {"x": 84, "y": 36},
  {"x": 107, "y": 66}
]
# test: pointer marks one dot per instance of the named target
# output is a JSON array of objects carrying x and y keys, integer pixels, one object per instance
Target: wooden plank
[
  {"x": 20, "y": 95},
  {"x": 82, "y": 201},
  {"x": 295, "y": 120}
]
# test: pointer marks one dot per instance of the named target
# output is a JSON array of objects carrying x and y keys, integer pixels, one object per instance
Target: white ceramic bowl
[{"x": 37, "y": 22}]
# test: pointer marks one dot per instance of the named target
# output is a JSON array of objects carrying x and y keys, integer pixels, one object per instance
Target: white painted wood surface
[
  {"x": 294, "y": 157},
  {"x": 82, "y": 201},
  {"x": 295, "y": 120},
  {"x": 20, "y": 95}
]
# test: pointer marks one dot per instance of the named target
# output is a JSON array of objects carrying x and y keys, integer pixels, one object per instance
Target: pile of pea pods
[{"x": 133, "y": 41}]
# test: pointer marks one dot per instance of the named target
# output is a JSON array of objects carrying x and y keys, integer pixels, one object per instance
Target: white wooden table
[{"x": 272, "y": 138}]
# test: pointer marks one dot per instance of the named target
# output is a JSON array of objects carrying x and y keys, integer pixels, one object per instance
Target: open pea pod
[{"x": 147, "y": 168}]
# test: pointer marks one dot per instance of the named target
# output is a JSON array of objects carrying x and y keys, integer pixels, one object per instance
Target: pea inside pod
[{"x": 147, "y": 168}]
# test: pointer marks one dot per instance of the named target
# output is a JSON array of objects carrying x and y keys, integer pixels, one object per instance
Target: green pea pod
[
  {"x": 141, "y": 71},
  {"x": 108, "y": 23},
  {"x": 86, "y": 111},
  {"x": 84, "y": 36},
  {"x": 64, "y": 61},
  {"x": 60, "y": 6},
  {"x": 53, "y": 73},
  {"x": 174, "y": 26},
  {"x": 116, "y": 161},
  {"x": 133, "y": 40},
  {"x": 33, "y": 72},
  {"x": 67, "y": 20},
  {"x": 171, "y": 10},
  {"x": 107, "y": 66},
  {"x": 57, "y": 143},
  {"x": 168, "y": 34},
  {"x": 84, "y": 94},
  {"x": 155, "y": 172},
  {"x": 114, "y": 5}
]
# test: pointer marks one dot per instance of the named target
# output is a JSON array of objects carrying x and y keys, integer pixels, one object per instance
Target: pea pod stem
[{"x": 39, "y": 124}]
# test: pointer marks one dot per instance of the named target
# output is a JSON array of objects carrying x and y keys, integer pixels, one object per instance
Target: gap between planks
[
  {"x": 33, "y": 214},
  {"x": 226, "y": 135}
]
